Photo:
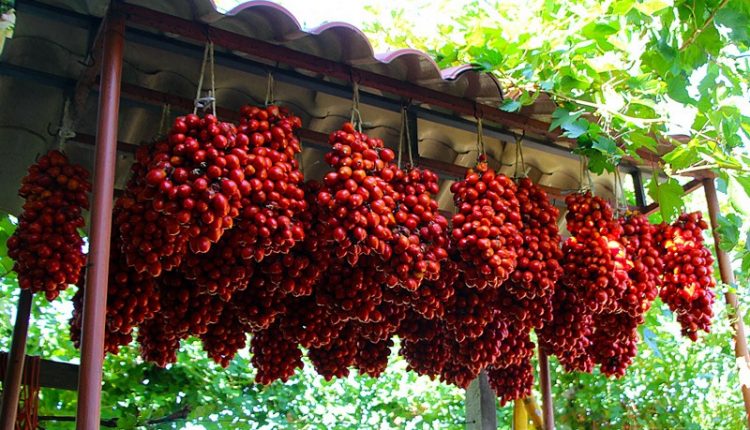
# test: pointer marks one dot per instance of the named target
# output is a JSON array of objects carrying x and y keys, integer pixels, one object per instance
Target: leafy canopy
[{"x": 625, "y": 75}]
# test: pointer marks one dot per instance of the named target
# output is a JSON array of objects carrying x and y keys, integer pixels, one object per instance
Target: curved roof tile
[{"x": 337, "y": 41}]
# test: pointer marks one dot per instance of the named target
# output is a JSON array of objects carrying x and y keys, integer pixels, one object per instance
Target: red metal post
[
  {"x": 16, "y": 358},
  {"x": 95, "y": 298},
  {"x": 727, "y": 276},
  {"x": 548, "y": 407}
]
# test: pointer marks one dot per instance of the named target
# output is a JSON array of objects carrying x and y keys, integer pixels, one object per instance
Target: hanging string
[
  {"x": 65, "y": 131},
  {"x": 163, "y": 123},
  {"x": 401, "y": 136},
  {"x": 481, "y": 154},
  {"x": 588, "y": 176},
  {"x": 623, "y": 200},
  {"x": 617, "y": 198},
  {"x": 585, "y": 176},
  {"x": 269, "y": 90},
  {"x": 519, "y": 157},
  {"x": 356, "y": 118},
  {"x": 655, "y": 178},
  {"x": 200, "y": 80},
  {"x": 212, "y": 94},
  {"x": 408, "y": 137},
  {"x": 204, "y": 102}
]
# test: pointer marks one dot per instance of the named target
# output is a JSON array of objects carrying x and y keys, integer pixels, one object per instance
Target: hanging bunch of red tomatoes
[{"x": 218, "y": 236}]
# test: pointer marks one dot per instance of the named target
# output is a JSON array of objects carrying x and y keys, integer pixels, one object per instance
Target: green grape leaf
[
  {"x": 562, "y": 117},
  {"x": 681, "y": 156},
  {"x": 510, "y": 105},
  {"x": 744, "y": 181},
  {"x": 668, "y": 195},
  {"x": 729, "y": 231},
  {"x": 650, "y": 7},
  {"x": 737, "y": 21}
]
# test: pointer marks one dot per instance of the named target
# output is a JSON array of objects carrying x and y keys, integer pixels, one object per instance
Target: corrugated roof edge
[{"x": 447, "y": 74}]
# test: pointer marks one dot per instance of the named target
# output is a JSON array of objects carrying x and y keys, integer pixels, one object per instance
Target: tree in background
[{"x": 645, "y": 70}]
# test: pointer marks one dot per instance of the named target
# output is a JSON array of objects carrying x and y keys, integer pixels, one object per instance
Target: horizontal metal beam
[
  {"x": 43, "y": 78},
  {"x": 55, "y": 13},
  {"x": 148, "y": 98},
  {"x": 56, "y": 374},
  {"x": 686, "y": 189},
  {"x": 292, "y": 77},
  {"x": 200, "y": 32}
]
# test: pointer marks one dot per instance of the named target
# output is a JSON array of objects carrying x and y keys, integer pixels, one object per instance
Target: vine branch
[{"x": 705, "y": 25}]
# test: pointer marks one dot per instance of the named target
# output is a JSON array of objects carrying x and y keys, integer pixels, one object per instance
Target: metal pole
[
  {"x": 95, "y": 298},
  {"x": 548, "y": 406},
  {"x": 727, "y": 276},
  {"x": 16, "y": 358}
]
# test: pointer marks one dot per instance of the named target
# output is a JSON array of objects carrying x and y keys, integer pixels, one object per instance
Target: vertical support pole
[
  {"x": 95, "y": 297},
  {"x": 16, "y": 358},
  {"x": 481, "y": 408},
  {"x": 548, "y": 412},
  {"x": 727, "y": 276}
]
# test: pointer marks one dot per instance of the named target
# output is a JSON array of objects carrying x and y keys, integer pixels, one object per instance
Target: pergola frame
[{"x": 121, "y": 24}]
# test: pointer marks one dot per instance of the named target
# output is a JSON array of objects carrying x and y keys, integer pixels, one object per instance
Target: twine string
[
  {"x": 519, "y": 158},
  {"x": 481, "y": 154},
  {"x": 269, "y": 90},
  {"x": 212, "y": 94},
  {"x": 66, "y": 130},
  {"x": 408, "y": 137},
  {"x": 165, "y": 115},
  {"x": 356, "y": 117},
  {"x": 401, "y": 136},
  {"x": 620, "y": 199},
  {"x": 204, "y": 102}
]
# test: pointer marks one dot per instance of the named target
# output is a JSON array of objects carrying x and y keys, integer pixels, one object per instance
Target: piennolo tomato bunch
[
  {"x": 46, "y": 246},
  {"x": 217, "y": 235}
]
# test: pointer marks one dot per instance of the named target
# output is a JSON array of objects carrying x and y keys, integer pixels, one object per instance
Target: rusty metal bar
[
  {"x": 727, "y": 276},
  {"x": 259, "y": 48},
  {"x": 14, "y": 369},
  {"x": 548, "y": 407},
  {"x": 686, "y": 189},
  {"x": 54, "y": 374},
  {"x": 95, "y": 298}
]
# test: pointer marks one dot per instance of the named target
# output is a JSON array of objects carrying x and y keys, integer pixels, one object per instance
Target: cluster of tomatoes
[
  {"x": 614, "y": 269},
  {"x": 217, "y": 235}
]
